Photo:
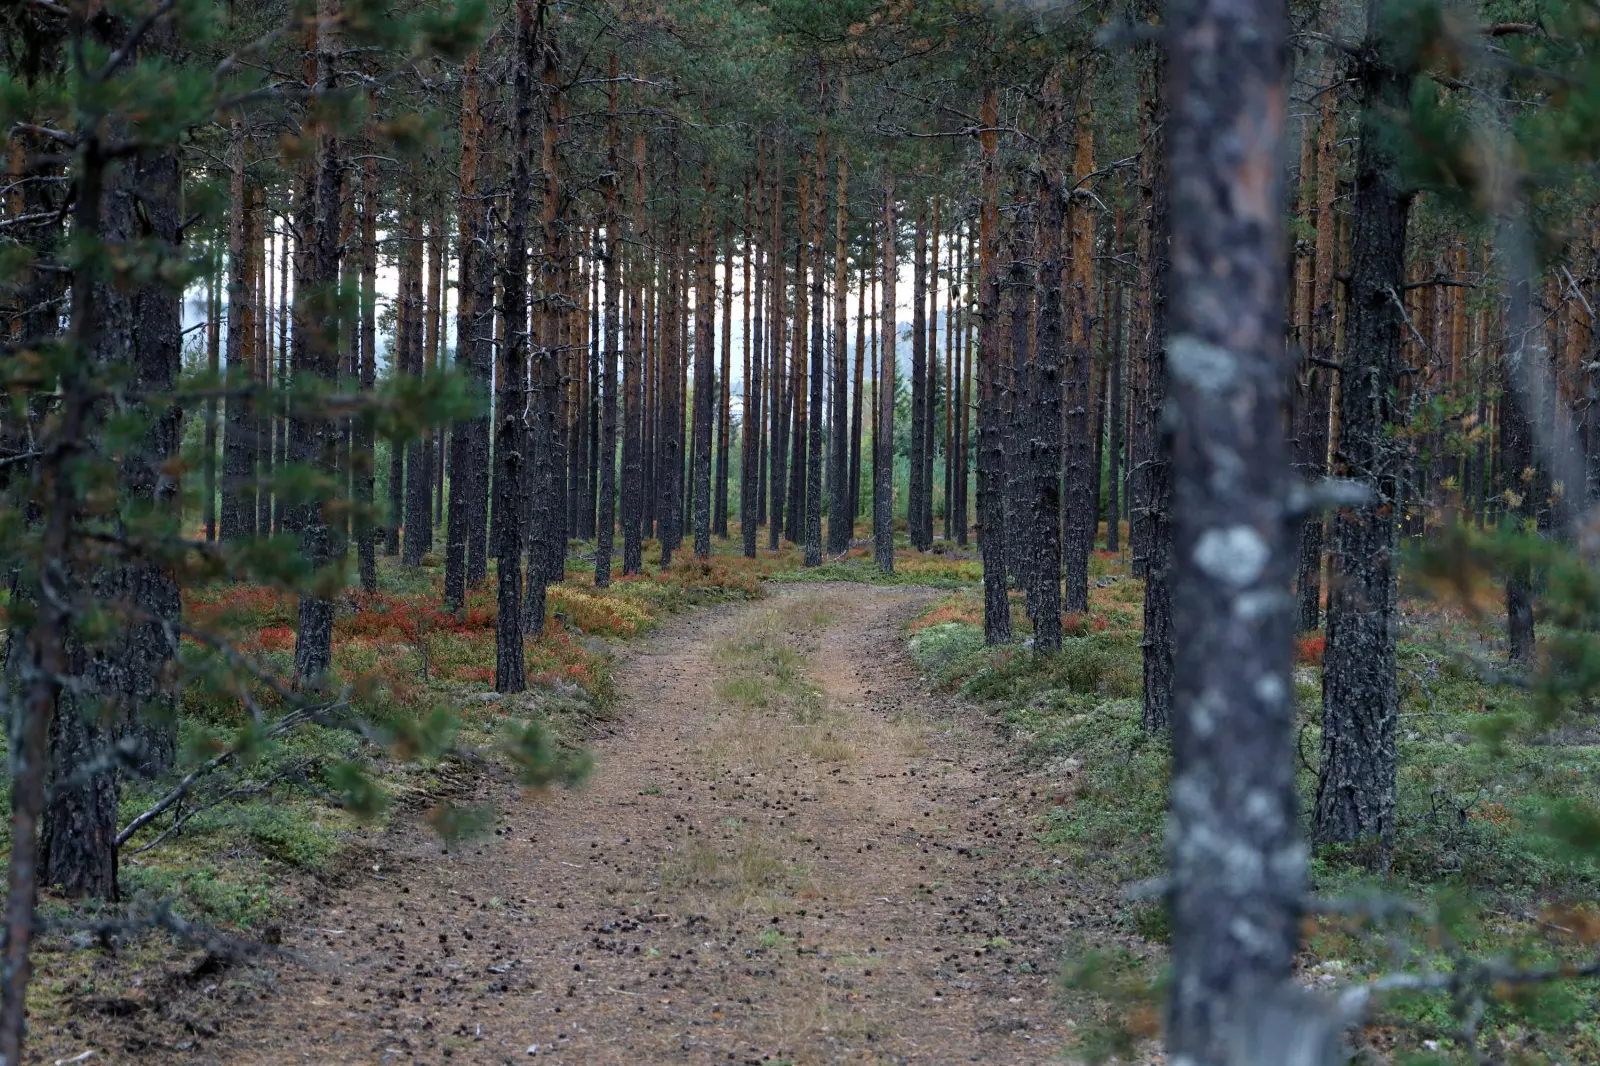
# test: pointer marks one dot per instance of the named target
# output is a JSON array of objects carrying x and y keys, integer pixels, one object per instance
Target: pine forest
[{"x": 800, "y": 531}]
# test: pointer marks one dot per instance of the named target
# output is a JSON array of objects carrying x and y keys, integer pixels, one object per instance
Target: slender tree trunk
[
  {"x": 1356, "y": 779},
  {"x": 363, "y": 461},
  {"x": 1044, "y": 420},
  {"x": 856, "y": 403},
  {"x": 612, "y": 265},
  {"x": 841, "y": 478},
  {"x": 213, "y": 369},
  {"x": 238, "y": 518},
  {"x": 467, "y": 488},
  {"x": 930, "y": 439},
  {"x": 705, "y": 400},
  {"x": 1115, "y": 434},
  {"x": 814, "y": 406},
  {"x": 318, "y": 435},
  {"x": 512, "y": 372},
  {"x": 418, "y": 499},
  {"x": 1313, "y": 431},
  {"x": 1080, "y": 524},
  {"x": 883, "y": 424},
  {"x": 919, "y": 381},
  {"x": 1238, "y": 864},
  {"x": 779, "y": 340},
  {"x": 633, "y": 395},
  {"x": 991, "y": 448},
  {"x": 719, "y": 516},
  {"x": 1157, "y": 482},
  {"x": 755, "y": 358},
  {"x": 799, "y": 365}
]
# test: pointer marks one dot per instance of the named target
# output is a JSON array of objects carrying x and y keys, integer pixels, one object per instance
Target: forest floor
[{"x": 790, "y": 851}]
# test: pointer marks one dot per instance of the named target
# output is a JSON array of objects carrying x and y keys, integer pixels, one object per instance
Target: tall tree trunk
[
  {"x": 719, "y": 514},
  {"x": 930, "y": 440},
  {"x": 419, "y": 484},
  {"x": 547, "y": 515},
  {"x": 778, "y": 340},
  {"x": 705, "y": 304},
  {"x": 841, "y": 476},
  {"x": 754, "y": 357},
  {"x": 1313, "y": 431},
  {"x": 814, "y": 406},
  {"x": 238, "y": 518},
  {"x": 1013, "y": 396},
  {"x": 799, "y": 367},
  {"x": 1044, "y": 419},
  {"x": 1238, "y": 864},
  {"x": 1157, "y": 481},
  {"x": 669, "y": 373},
  {"x": 469, "y": 455},
  {"x": 1356, "y": 779},
  {"x": 363, "y": 460},
  {"x": 991, "y": 448},
  {"x": 632, "y": 377},
  {"x": 1080, "y": 525},
  {"x": 1116, "y": 432},
  {"x": 318, "y": 318},
  {"x": 612, "y": 265},
  {"x": 213, "y": 369},
  {"x": 919, "y": 381},
  {"x": 511, "y": 374},
  {"x": 883, "y": 423},
  {"x": 856, "y": 403}
]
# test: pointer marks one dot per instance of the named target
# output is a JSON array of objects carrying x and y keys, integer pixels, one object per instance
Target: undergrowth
[{"x": 1478, "y": 850}]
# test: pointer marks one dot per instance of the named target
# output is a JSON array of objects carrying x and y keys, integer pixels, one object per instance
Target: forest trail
[{"x": 788, "y": 852}]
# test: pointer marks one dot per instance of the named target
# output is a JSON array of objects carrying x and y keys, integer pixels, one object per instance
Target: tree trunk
[
  {"x": 238, "y": 518},
  {"x": 841, "y": 454},
  {"x": 991, "y": 448},
  {"x": 814, "y": 406},
  {"x": 705, "y": 400},
  {"x": 468, "y": 457},
  {"x": 362, "y": 459},
  {"x": 755, "y": 357},
  {"x": 1356, "y": 779},
  {"x": 1080, "y": 525},
  {"x": 778, "y": 340},
  {"x": 512, "y": 372},
  {"x": 1044, "y": 418},
  {"x": 611, "y": 263},
  {"x": 1313, "y": 431},
  {"x": 919, "y": 381},
  {"x": 883, "y": 424},
  {"x": 1238, "y": 865},
  {"x": 1157, "y": 481},
  {"x": 419, "y": 482},
  {"x": 1117, "y": 430},
  {"x": 318, "y": 436}
]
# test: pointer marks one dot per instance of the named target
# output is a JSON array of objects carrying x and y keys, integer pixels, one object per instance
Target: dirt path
[{"x": 769, "y": 865}]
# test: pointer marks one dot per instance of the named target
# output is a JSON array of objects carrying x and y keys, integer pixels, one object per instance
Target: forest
[{"x": 792, "y": 531}]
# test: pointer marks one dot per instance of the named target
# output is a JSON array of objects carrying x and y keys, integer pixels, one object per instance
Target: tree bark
[
  {"x": 1044, "y": 419},
  {"x": 818, "y": 376},
  {"x": 1157, "y": 481},
  {"x": 1238, "y": 864},
  {"x": 991, "y": 448},
  {"x": 841, "y": 455},
  {"x": 1080, "y": 525},
  {"x": 919, "y": 381},
  {"x": 883, "y": 424},
  {"x": 705, "y": 400},
  {"x": 1356, "y": 779},
  {"x": 318, "y": 435}
]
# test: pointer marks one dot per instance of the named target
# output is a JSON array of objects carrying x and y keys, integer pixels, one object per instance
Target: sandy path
[{"x": 731, "y": 886}]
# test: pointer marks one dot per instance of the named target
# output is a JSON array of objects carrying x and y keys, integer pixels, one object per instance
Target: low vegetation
[{"x": 1489, "y": 801}]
